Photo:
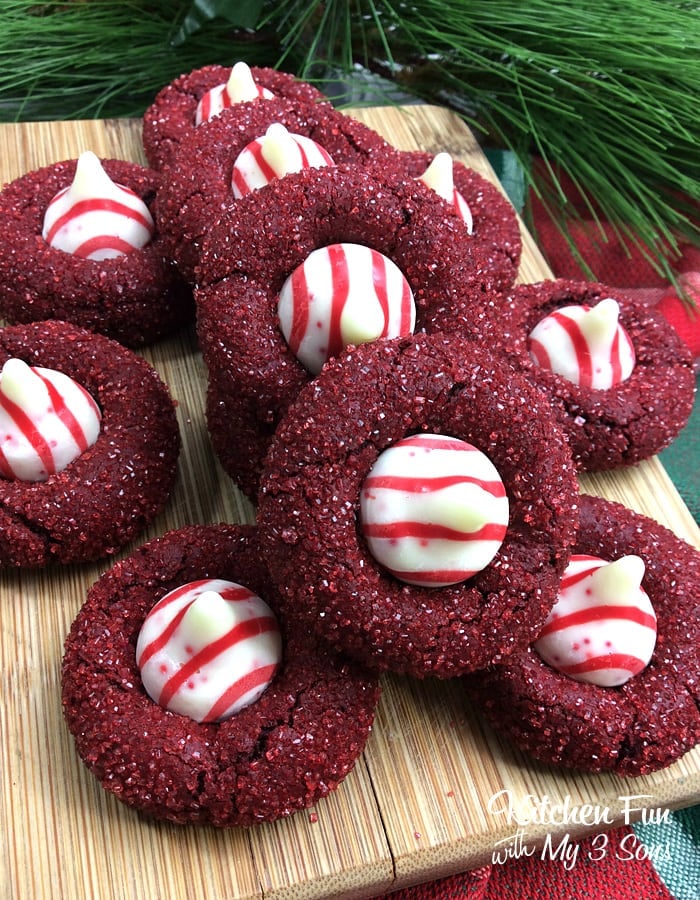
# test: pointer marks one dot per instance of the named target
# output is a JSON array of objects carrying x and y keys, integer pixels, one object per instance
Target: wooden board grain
[{"x": 420, "y": 802}]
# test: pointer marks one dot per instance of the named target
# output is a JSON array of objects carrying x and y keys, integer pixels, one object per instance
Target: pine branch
[
  {"x": 605, "y": 91},
  {"x": 106, "y": 58}
]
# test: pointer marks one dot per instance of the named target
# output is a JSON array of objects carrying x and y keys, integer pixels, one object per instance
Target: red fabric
[
  {"x": 606, "y": 866},
  {"x": 618, "y": 264},
  {"x": 686, "y": 321}
]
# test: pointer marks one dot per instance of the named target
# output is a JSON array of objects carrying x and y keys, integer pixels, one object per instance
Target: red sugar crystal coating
[
  {"x": 288, "y": 749},
  {"x": 136, "y": 298},
  {"x": 197, "y": 183},
  {"x": 106, "y": 496},
  {"x": 255, "y": 245},
  {"x": 645, "y": 724},
  {"x": 363, "y": 402},
  {"x": 171, "y": 116},
  {"x": 630, "y": 421},
  {"x": 496, "y": 224}
]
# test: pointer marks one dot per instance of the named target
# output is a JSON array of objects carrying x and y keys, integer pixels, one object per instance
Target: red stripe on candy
[
  {"x": 256, "y": 148},
  {"x": 205, "y": 107},
  {"x": 65, "y": 415},
  {"x": 238, "y": 181},
  {"x": 428, "y": 531},
  {"x": 581, "y": 348},
  {"x": 31, "y": 433},
  {"x": 240, "y": 688},
  {"x": 5, "y": 469},
  {"x": 300, "y": 308},
  {"x": 598, "y": 613},
  {"x": 381, "y": 288},
  {"x": 236, "y": 593},
  {"x": 434, "y": 576},
  {"x": 98, "y": 204},
  {"x": 159, "y": 642},
  {"x": 238, "y": 633},
  {"x": 426, "y": 485},
  {"x": 571, "y": 578},
  {"x": 540, "y": 354},
  {"x": 340, "y": 273},
  {"x": 102, "y": 242},
  {"x": 623, "y": 661},
  {"x": 436, "y": 442},
  {"x": 615, "y": 363},
  {"x": 175, "y": 594}
]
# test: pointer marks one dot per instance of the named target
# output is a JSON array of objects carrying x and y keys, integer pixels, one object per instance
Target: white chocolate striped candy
[
  {"x": 586, "y": 345},
  {"x": 46, "y": 421},
  {"x": 440, "y": 177},
  {"x": 208, "y": 649},
  {"x": 602, "y": 629},
  {"x": 240, "y": 88},
  {"x": 277, "y": 153},
  {"x": 95, "y": 218},
  {"x": 433, "y": 510},
  {"x": 343, "y": 294}
]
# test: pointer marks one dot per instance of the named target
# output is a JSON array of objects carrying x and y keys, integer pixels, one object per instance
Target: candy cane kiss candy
[
  {"x": 433, "y": 510},
  {"x": 586, "y": 345},
  {"x": 278, "y": 152},
  {"x": 95, "y": 218},
  {"x": 46, "y": 421},
  {"x": 240, "y": 88},
  {"x": 343, "y": 294},
  {"x": 602, "y": 629},
  {"x": 208, "y": 649}
]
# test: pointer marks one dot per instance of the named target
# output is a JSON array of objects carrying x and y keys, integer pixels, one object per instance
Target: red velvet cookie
[
  {"x": 135, "y": 298},
  {"x": 640, "y": 726},
  {"x": 364, "y": 402},
  {"x": 197, "y": 183},
  {"x": 171, "y": 116},
  {"x": 633, "y": 419},
  {"x": 494, "y": 220},
  {"x": 107, "y": 496},
  {"x": 282, "y": 753},
  {"x": 253, "y": 248}
]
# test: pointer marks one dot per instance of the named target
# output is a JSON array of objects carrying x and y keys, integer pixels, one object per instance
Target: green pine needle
[
  {"x": 105, "y": 58},
  {"x": 605, "y": 91}
]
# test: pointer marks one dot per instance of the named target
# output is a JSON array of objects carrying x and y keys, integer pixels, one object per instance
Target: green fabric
[
  {"x": 674, "y": 848},
  {"x": 682, "y": 462},
  {"x": 510, "y": 173}
]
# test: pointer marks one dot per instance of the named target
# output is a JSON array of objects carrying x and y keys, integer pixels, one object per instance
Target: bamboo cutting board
[{"x": 423, "y": 800}]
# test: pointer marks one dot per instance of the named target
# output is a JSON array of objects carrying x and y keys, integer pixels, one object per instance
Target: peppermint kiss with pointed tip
[
  {"x": 46, "y": 421},
  {"x": 239, "y": 88},
  {"x": 602, "y": 628},
  {"x": 208, "y": 649},
  {"x": 95, "y": 218},
  {"x": 587, "y": 345},
  {"x": 278, "y": 152}
]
